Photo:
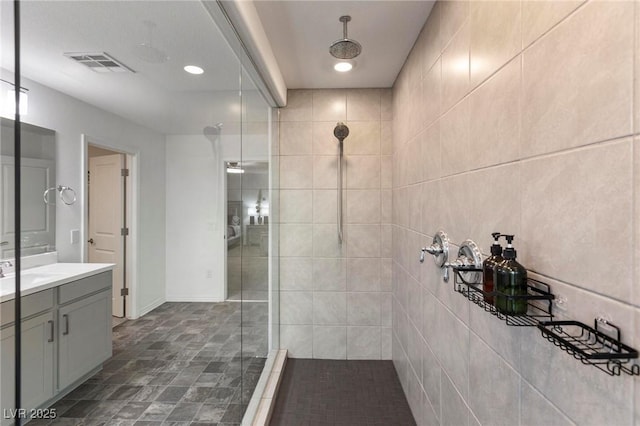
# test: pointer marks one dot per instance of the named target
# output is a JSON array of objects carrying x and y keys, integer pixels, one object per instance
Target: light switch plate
[{"x": 75, "y": 236}]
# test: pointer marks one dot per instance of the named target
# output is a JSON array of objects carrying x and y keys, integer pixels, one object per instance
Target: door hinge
[
  {"x": 124, "y": 231},
  {"x": 124, "y": 172},
  {"x": 124, "y": 291}
]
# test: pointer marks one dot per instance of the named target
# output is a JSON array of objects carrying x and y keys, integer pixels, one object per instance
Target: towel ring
[{"x": 61, "y": 189}]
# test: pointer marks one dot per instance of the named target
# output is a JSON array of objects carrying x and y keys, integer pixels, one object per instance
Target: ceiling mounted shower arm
[{"x": 344, "y": 20}]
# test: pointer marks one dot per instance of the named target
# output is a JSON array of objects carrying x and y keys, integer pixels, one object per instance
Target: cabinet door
[
  {"x": 85, "y": 337},
  {"x": 37, "y": 363}
]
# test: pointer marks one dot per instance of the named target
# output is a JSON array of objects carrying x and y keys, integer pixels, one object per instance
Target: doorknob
[{"x": 90, "y": 241}]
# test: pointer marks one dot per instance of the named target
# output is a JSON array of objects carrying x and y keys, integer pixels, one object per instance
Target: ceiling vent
[{"x": 99, "y": 62}]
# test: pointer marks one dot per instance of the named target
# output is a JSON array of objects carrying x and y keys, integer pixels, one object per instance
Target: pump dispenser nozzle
[
  {"x": 496, "y": 248},
  {"x": 509, "y": 252}
]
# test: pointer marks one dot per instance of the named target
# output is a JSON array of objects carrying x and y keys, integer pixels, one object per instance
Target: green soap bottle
[
  {"x": 510, "y": 279},
  {"x": 488, "y": 268}
]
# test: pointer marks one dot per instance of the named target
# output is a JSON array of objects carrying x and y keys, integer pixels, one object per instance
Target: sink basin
[{"x": 28, "y": 279}]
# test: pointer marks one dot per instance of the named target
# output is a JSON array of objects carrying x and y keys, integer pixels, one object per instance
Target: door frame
[{"x": 132, "y": 200}]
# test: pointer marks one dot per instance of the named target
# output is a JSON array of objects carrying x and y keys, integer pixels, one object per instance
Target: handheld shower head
[{"x": 341, "y": 131}]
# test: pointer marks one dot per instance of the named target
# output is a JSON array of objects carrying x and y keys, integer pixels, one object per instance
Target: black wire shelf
[
  {"x": 468, "y": 282},
  {"x": 592, "y": 346}
]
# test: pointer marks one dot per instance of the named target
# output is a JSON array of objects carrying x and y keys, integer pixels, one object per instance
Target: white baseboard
[
  {"x": 186, "y": 298},
  {"x": 150, "y": 307}
]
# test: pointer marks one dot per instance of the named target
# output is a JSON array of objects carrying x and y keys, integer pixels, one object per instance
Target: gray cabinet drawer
[
  {"x": 84, "y": 287},
  {"x": 31, "y": 305}
]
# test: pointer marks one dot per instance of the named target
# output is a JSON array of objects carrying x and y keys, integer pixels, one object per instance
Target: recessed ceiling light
[
  {"x": 343, "y": 66},
  {"x": 192, "y": 69}
]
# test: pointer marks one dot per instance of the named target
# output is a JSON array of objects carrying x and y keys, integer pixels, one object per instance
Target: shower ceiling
[
  {"x": 300, "y": 31},
  {"x": 160, "y": 96}
]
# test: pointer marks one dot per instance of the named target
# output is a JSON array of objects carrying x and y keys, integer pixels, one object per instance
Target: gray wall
[
  {"x": 335, "y": 300},
  {"x": 519, "y": 117}
]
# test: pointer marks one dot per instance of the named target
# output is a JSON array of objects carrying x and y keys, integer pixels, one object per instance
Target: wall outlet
[{"x": 75, "y": 236}]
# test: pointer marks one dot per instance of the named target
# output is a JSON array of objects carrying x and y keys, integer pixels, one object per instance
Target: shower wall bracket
[{"x": 439, "y": 249}]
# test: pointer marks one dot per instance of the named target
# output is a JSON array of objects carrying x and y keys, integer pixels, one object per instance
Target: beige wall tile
[
  {"x": 386, "y": 138},
  {"x": 298, "y": 106},
  {"x": 329, "y": 105},
  {"x": 363, "y": 139},
  {"x": 505, "y": 341},
  {"x": 636, "y": 227},
  {"x": 296, "y": 205},
  {"x": 363, "y": 274},
  {"x": 363, "y": 343},
  {"x": 495, "y": 117},
  {"x": 540, "y": 16},
  {"x": 329, "y": 274},
  {"x": 325, "y": 172},
  {"x": 296, "y": 172},
  {"x": 455, "y": 69},
  {"x": 363, "y": 308},
  {"x": 430, "y": 39},
  {"x": 386, "y": 240},
  {"x": 295, "y": 273},
  {"x": 324, "y": 142},
  {"x": 430, "y": 153},
  {"x": 432, "y": 93},
  {"x": 386, "y": 207},
  {"x": 455, "y": 215},
  {"x": 431, "y": 378},
  {"x": 577, "y": 85},
  {"x": 569, "y": 198},
  {"x": 363, "y": 240},
  {"x": 386, "y": 343},
  {"x": 452, "y": 15},
  {"x": 454, "y": 410},
  {"x": 295, "y": 240},
  {"x": 295, "y": 138},
  {"x": 494, "y": 204},
  {"x": 386, "y": 266},
  {"x": 329, "y": 308},
  {"x": 298, "y": 339},
  {"x": 325, "y": 241},
  {"x": 454, "y": 140},
  {"x": 537, "y": 410},
  {"x": 430, "y": 208},
  {"x": 325, "y": 205},
  {"x": 296, "y": 307},
  {"x": 329, "y": 342},
  {"x": 386, "y": 171},
  {"x": 363, "y": 172},
  {"x": 363, "y": 104},
  {"x": 500, "y": 406},
  {"x": 496, "y": 36},
  {"x": 636, "y": 75},
  {"x": 386, "y": 104},
  {"x": 363, "y": 206}
]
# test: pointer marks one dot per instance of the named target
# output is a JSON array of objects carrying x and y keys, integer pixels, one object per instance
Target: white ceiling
[
  {"x": 300, "y": 33},
  {"x": 159, "y": 96}
]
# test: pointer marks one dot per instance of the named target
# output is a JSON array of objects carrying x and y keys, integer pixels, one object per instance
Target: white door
[{"x": 106, "y": 219}]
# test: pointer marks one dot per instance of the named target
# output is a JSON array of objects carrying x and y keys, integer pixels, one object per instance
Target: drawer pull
[
  {"x": 65, "y": 317},
  {"x": 51, "y": 330}
]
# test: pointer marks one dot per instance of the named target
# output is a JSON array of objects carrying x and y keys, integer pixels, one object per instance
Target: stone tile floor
[{"x": 181, "y": 364}]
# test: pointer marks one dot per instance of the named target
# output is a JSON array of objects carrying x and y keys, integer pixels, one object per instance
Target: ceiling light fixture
[
  {"x": 343, "y": 66},
  {"x": 234, "y": 167},
  {"x": 192, "y": 69}
]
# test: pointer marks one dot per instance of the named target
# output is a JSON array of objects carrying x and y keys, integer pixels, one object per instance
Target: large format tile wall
[
  {"x": 518, "y": 117},
  {"x": 335, "y": 300}
]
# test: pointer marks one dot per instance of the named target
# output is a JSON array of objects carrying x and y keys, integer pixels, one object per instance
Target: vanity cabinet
[
  {"x": 38, "y": 348},
  {"x": 66, "y": 334},
  {"x": 84, "y": 337}
]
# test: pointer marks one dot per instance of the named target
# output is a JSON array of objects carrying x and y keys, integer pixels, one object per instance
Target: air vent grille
[{"x": 99, "y": 62}]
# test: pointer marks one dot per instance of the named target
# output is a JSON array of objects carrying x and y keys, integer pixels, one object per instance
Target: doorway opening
[{"x": 107, "y": 229}]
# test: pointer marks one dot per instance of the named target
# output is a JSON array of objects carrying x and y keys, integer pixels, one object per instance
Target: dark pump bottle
[
  {"x": 488, "y": 268},
  {"x": 510, "y": 279}
]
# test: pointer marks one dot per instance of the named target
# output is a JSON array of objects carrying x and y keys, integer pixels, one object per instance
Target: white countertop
[{"x": 48, "y": 276}]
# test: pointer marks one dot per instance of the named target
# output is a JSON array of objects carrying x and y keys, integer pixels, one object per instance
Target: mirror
[{"x": 38, "y": 174}]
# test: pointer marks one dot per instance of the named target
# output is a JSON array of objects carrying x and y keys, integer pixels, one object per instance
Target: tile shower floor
[
  {"x": 346, "y": 393},
  {"x": 180, "y": 364}
]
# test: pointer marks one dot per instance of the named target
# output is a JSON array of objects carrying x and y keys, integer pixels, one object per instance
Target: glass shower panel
[{"x": 256, "y": 200}]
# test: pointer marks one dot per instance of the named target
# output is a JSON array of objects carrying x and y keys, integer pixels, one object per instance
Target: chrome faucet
[{"x": 4, "y": 264}]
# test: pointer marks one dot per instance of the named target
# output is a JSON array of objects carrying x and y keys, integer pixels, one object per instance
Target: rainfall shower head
[
  {"x": 345, "y": 48},
  {"x": 341, "y": 131}
]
